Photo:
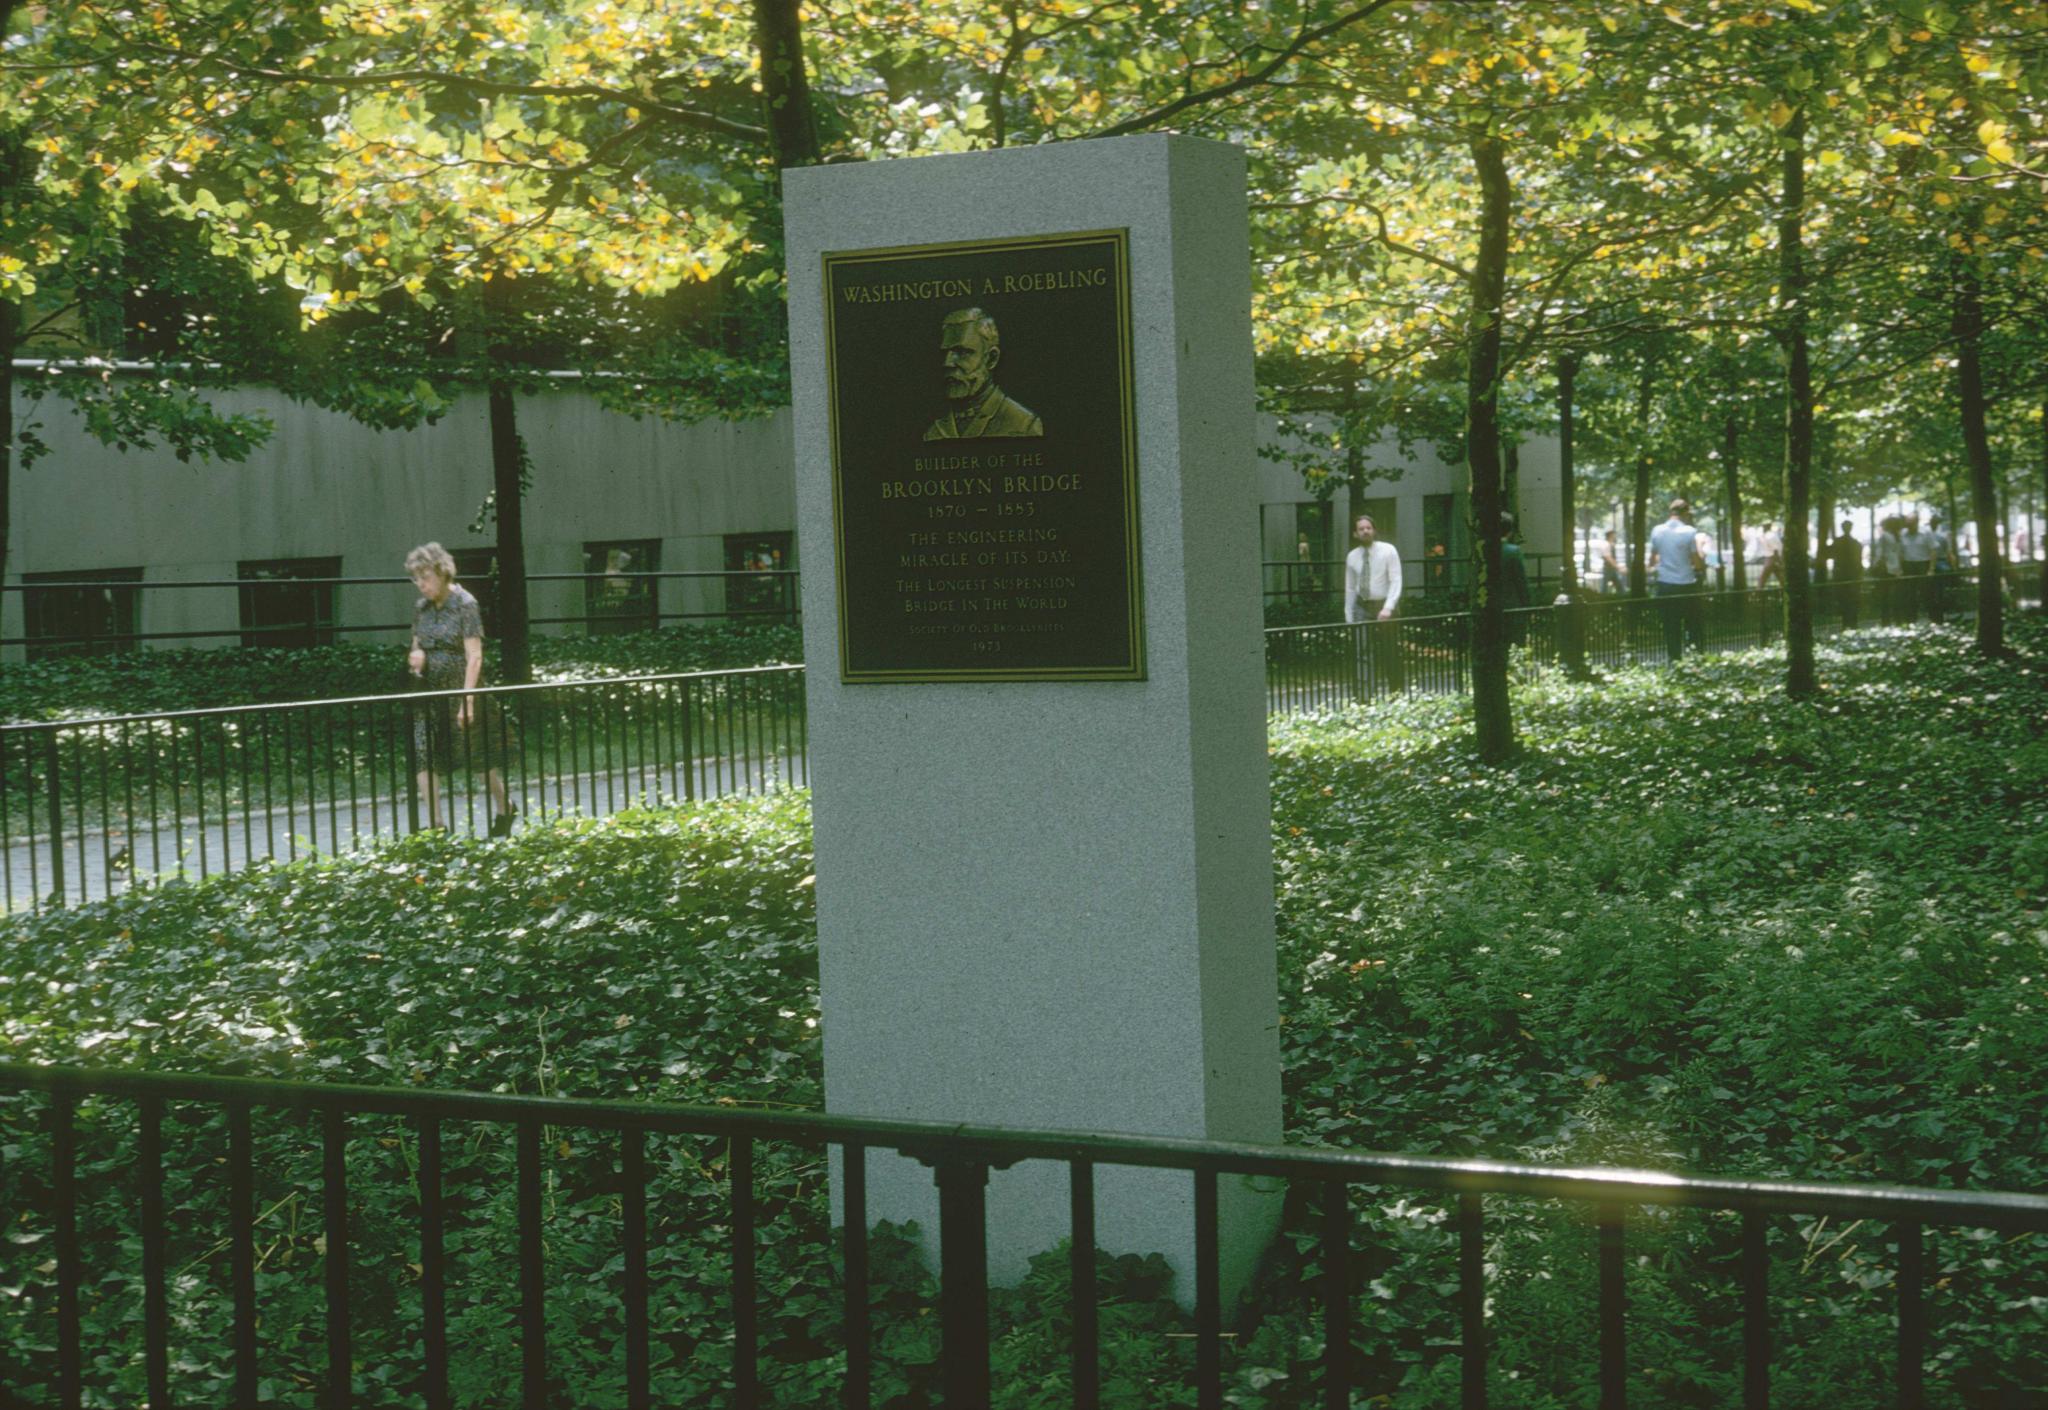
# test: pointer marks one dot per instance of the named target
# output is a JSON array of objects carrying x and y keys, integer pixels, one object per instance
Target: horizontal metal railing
[
  {"x": 765, "y": 595},
  {"x": 89, "y": 806},
  {"x": 961, "y": 1158},
  {"x": 1329, "y": 666}
]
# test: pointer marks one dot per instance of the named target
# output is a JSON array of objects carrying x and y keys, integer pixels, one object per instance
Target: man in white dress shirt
[{"x": 1372, "y": 592}]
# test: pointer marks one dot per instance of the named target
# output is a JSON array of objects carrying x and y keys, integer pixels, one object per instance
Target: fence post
[
  {"x": 963, "y": 1281},
  {"x": 56, "y": 792}
]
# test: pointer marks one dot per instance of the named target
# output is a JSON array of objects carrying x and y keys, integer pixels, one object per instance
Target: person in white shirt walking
[
  {"x": 1887, "y": 567},
  {"x": 1774, "y": 557},
  {"x": 1917, "y": 548},
  {"x": 1675, "y": 564},
  {"x": 1372, "y": 593}
]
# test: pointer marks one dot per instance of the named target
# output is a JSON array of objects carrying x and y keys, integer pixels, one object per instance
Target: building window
[
  {"x": 477, "y": 570},
  {"x": 288, "y": 601},
  {"x": 614, "y": 599},
  {"x": 755, "y": 587},
  {"x": 89, "y": 613}
]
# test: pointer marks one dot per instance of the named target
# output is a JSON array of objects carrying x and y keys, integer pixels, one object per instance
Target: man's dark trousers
[
  {"x": 1377, "y": 652},
  {"x": 1679, "y": 609}
]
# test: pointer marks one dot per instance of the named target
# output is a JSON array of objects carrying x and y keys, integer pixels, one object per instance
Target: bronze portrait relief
[{"x": 971, "y": 347}]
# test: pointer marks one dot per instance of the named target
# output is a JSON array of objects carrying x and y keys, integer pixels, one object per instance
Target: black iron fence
[
  {"x": 90, "y": 806},
  {"x": 1328, "y": 666},
  {"x": 1434, "y": 584},
  {"x": 159, "y": 1121},
  {"x": 106, "y": 616}
]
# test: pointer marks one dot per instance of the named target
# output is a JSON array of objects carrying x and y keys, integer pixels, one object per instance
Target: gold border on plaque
[{"x": 1134, "y": 668}]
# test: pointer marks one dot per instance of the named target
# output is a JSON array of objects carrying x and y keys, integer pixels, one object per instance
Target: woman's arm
[{"x": 472, "y": 671}]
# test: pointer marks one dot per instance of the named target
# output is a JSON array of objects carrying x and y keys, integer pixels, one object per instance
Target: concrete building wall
[{"x": 326, "y": 486}]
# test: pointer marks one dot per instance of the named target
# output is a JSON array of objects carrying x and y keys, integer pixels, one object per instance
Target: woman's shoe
[{"x": 501, "y": 825}]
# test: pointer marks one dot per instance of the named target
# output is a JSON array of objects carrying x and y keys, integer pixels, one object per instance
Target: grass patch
[{"x": 1697, "y": 926}]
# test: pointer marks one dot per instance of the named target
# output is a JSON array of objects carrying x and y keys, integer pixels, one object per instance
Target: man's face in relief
[{"x": 970, "y": 362}]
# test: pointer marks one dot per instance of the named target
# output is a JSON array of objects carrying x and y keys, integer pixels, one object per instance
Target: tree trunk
[
  {"x": 1567, "y": 470},
  {"x": 1492, "y": 718},
  {"x": 508, "y": 490},
  {"x": 10, "y": 330},
  {"x": 1572, "y": 621},
  {"x": 2032, "y": 545},
  {"x": 785, "y": 82},
  {"x": 1639, "y": 508},
  {"x": 13, "y": 174},
  {"x": 1801, "y": 679},
  {"x": 1967, "y": 324},
  {"x": 1511, "y": 475},
  {"x": 1731, "y": 442}
]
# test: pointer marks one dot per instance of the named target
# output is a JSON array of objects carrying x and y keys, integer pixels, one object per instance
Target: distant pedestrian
[
  {"x": 1514, "y": 581},
  {"x": 1887, "y": 569},
  {"x": 1372, "y": 594},
  {"x": 1610, "y": 565},
  {"x": 1917, "y": 549},
  {"x": 1944, "y": 565},
  {"x": 448, "y": 654},
  {"x": 1845, "y": 566},
  {"x": 1675, "y": 566},
  {"x": 1774, "y": 557}
]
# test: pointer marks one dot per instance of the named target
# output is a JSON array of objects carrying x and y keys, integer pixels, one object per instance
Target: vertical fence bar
[
  {"x": 1337, "y": 1296},
  {"x": 269, "y": 807},
  {"x": 860, "y": 1352},
  {"x": 533, "y": 1340},
  {"x": 291, "y": 802},
  {"x": 156, "y": 863},
  {"x": 199, "y": 792},
  {"x": 1912, "y": 1319},
  {"x": 689, "y": 752},
  {"x": 106, "y": 816},
  {"x": 55, "y": 788},
  {"x": 64, "y": 1211},
  {"x": 1208, "y": 1297},
  {"x": 248, "y": 797},
  {"x": 355, "y": 817},
  {"x": 746, "y": 1386},
  {"x": 1087, "y": 1316},
  {"x": 1756, "y": 1327},
  {"x": 433, "y": 1267},
  {"x": 334, "y": 1210},
  {"x": 1613, "y": 1310},
  {"x": 7, "y": 821},
  {"x": 242, "y": 1242},
  {"x": 412, "y": 767},
  {"x": 963, "y": 1283},
  {"x": 633, "y": 1231},
  {"x": 156, "y": 1322},
  {"x": 1472, "y": 1302}
]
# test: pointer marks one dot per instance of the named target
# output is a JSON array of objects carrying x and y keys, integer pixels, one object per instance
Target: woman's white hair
[{"x": 431, "y": 555}]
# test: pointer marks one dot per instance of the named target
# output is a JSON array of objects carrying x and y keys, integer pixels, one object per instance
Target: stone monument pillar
[{"x": 1026, "y": 519}]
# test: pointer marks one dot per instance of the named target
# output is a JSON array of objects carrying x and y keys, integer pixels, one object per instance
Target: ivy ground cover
[{"x": 1696, "y": 927}]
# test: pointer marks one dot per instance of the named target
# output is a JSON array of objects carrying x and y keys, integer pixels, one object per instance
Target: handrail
[
  {"x": 217, "y": 711},
  {"x": 1004, "y": 1145}
]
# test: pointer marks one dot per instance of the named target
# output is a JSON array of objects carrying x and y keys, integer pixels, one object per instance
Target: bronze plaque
[{"x": 984, "y": 461}]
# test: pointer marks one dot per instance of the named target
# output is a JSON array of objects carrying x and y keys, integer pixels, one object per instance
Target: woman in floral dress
[{"x": 448, "y": 654}]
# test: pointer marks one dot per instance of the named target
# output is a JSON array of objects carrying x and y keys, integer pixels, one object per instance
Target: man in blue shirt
[{"x": 1675, "y": 565}]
